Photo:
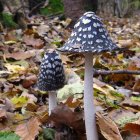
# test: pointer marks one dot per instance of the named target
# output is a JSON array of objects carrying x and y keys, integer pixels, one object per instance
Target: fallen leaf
[
  {"x": 42, "y": 29},
  {"x": 31, "y": 107},
  {"x": 8, "y": 105},
  {"x": 34, "y": 42},
  {"x": 29, "y": 81},
  {"x": 31, "y": 97},
  {"x": 136, "y": 86},
  {"x": 3, "y": 114},
  {"x": 23, "y": 63},
  {"x": 19, "y": 101},
  {"x": 14, "y": 68},
  {"x": 75, "y": 90},
  {"x": 136, "y": 60},
  {"x": 126, "y": 43},
  {"x": 131, "y": 104},
  {"x": 42, "y": 113},
  {"x": 72, "y": 103},
  {"x": 4, "y": 74},
  {"x": 65, "y": 59},
  {"x": 133, "y": 127},
  {"x": 71, "y": 76},
  {"x": 28, "y": 130},
  {"x": 122, "y": 116},
  {"x": 21, "y": 55},
  {"x": 63, "y": 115},
  {"x": 66, "y": 22},
  {"x": 108, "y": 128},
  {"x": 10, "y": 42}
]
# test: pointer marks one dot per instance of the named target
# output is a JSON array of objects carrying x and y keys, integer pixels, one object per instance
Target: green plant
[
  {"x": 7, "y": 20},
  {"x": 8, "y": 136},
  {"x": 55, "y": 6},
  {"x": 135, "y": 4}
]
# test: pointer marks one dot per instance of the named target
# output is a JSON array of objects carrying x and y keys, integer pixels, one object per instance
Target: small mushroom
[
  {"x": 51, "y": 76},
  {"x": 89, "y": 37}
]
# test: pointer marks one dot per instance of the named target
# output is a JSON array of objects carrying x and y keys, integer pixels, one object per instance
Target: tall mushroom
[
  {"x": 89, "y": 37},
  {"x": 51, "y": 76}
]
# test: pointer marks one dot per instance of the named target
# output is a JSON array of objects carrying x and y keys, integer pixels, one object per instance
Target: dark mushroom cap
[
  {"x": 89, "y": 35},
  {"x": 51, "y": 75}
]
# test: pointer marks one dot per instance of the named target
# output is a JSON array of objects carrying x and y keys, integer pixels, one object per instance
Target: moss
[
  {"x": 55, "y": 6},
  {"x": 127, "y": 119},
  {"x": 8, "y": 136},
  {"x": 7, "y": 20},
  {"x": 116, "y": 94},
  {"x": 135, "y": 4},
  {"x": 137, "y": 99}
]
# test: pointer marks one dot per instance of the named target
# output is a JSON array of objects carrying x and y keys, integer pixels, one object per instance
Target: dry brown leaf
[
  {"x": 117, "y": 114},
  {"x": 28, "y": 130},
  {"x": 108, "y": 128},
  {"x": 132, "y": 66},
  {"x": 132, "y": 105},
  {"x": 29, "y": 81},
  {"x": 31, "y": 107},
  {"x": 99, "y": 83},
  {"x": 72, "y": 103},
  {"x": 63, "y": 115},
  {"x": 21, "y": 55},
  {"x": 8, "y": 105},
  {"x": 42, "y": 29},
  {"x": 136, "y": 86},
  {"x": 3, "y": 114},
  {"x": 119, "y": 77},
  {"x": 133, "y": 127},
  {"x": 11, "y": 35},
  {"x": 42, "y": 113},
  {"x": 126, "y": 43},
  {"x": 6, "y": 124},
  {"x": 65, "y": 59},
  {"x": 37, "y": 43},
  {"x": 136, "y": 61}
]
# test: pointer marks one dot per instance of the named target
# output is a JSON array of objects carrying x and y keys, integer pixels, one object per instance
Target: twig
[
  {"x": 7, "y": 5},
  {"x": 22, "y": 3},
  {"x": 35, "y": 7},
  {"x": 21, "y": 7},
  {"x": 58, "y": 14},
  {"x": 108, "y": 72}
]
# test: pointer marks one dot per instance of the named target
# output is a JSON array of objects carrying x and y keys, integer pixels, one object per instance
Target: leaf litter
[{"x": 24, "y": 109}]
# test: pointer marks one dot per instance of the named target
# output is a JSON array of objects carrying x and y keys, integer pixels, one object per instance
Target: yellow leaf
[
  {"x": 19, "y": 101},
  {"x": 14, "y": 68},
  {"x": 10, "y": 42},
  {"x": 120, "y": 57}
]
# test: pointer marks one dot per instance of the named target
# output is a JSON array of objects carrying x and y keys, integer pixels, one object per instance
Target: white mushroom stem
[
  {"x": 89, "y": 108},
  {"x": 52, "y": 100}
]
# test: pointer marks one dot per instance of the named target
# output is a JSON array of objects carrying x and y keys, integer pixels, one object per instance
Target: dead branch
[
  {"x": 6, "y": 3},
  {"x": 108, "y": 72},
  {"x": 36, "y": 7},
  {"x": 22, "y": 3}
]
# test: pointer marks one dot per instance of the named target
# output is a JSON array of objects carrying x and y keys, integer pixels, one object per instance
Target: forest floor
[{"x": 24, "y": 109}]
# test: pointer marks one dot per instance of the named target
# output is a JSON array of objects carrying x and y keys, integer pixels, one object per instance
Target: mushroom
[
  {"x": 89, "y": 37},
  {"x": 51, "y": 76}
]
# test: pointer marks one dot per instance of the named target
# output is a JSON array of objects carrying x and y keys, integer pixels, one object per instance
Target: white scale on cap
[
  {"x": 51, "y": 74},
  {"x": 91, "y": 34}
]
